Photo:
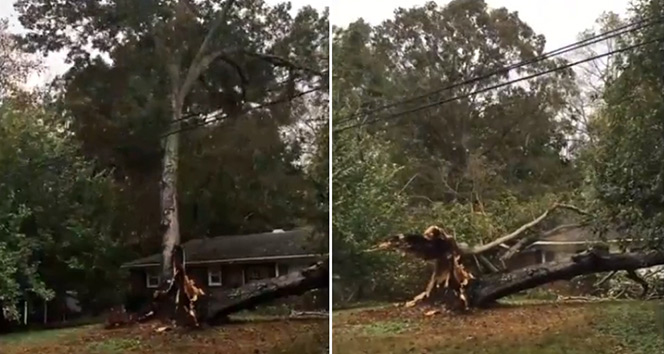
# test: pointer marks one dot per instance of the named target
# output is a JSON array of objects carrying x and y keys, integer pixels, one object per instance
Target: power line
[
  {"x": 218, "y": 115},
  {"x": 556, "y": 52},
  {"x": 274, "y": 88},
  {"x": 490, "y": 88}
]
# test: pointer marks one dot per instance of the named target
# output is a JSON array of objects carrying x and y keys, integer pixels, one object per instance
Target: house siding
[{"x": 233, "y": 276}]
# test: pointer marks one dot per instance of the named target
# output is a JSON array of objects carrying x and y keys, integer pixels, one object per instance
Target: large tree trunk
[
  {"x": 169, "y": 204},
  {"x": 249, "y": 296},
  {"x": 452, "y": 285},
  {"x": 489, "y": 288}
]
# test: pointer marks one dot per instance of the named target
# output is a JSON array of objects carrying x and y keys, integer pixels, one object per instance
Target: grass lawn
[
  {"x": 256, "y": 335},
  {"x": 539, "y": 328}
]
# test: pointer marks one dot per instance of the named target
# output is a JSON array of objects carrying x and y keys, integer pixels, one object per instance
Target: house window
[
  {"x": 214, "y": 276},
  {"x": 152, "y": 280},
  {"x": 282, "y": 269},
  {"x": 259, "y": 272}
]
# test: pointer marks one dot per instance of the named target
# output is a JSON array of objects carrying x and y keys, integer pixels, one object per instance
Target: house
[
  {"x": 218, "y": 264},
  {"x": 562, "y": 245}
]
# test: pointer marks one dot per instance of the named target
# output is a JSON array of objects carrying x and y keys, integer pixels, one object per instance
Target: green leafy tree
[
  {"x": 190, "y": 74},
  {"x": 625, "y": 169},
  {"x": 57, "y": 214}
]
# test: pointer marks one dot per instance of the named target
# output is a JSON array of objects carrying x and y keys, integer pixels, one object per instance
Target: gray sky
[
  {"x": 55, "y": 63},
  {"x": 560, "y": 21}
]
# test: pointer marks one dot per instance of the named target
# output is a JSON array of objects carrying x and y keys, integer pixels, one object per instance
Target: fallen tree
[
  {"x": 184, "y": 304},
  {"x": 456, "y": 287},
  {"x": 486, "y": 289},
  {"x": 256, "y": 293}
]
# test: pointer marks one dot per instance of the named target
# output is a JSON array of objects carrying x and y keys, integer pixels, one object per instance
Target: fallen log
[
  {"x": 487, "y": 289},
  {"x": 250, "y": 295}
]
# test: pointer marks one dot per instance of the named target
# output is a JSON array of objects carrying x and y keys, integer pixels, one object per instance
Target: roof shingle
[{"x": 279, "y": 244}]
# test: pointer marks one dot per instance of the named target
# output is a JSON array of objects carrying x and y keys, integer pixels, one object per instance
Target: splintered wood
[
  {"x": 181, "y": 296},
  {"x": 185, "y": 289},
  {"x": 440, "y": 248}
]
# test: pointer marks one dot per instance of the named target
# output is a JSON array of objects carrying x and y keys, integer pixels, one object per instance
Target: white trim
[
  {"x": 232, "y": 260},
  {"x": 211, "y": 272},
  {"x": 581, "y": 242},
  {"x": 148, "y": 285}
]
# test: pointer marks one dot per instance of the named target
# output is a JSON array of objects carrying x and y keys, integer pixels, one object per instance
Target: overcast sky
[
  {"x": 55, "y": 65},
  {"x": 559, "y": 20}
]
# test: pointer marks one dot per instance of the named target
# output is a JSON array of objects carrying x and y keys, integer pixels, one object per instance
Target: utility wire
[
  {"x": 490, "y": 88},
  {"x": 556, "y": 52},
  {"x": 218, "y": 115}
]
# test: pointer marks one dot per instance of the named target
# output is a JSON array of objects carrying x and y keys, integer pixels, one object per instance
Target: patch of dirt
[
  {"x": 504, "y": 323},
  {"x": 264, "y": 336}
]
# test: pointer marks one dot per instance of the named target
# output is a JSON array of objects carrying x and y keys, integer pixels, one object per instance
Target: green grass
[
  {"x": 114, "y": 345},
  {"x": 259, "y": 333},
  {"x": 639, "y": 326},
  {"x": 42, "y": 336},
  {"x": 600, "y": 328}
]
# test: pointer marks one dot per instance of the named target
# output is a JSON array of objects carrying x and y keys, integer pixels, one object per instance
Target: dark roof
[{"x": 272, "y": 245}]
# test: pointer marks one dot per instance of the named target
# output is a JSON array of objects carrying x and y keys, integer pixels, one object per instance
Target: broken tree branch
[
  {"x": 524, "y": 242},
  {"x": 518, "y": 232},
  {"x": 202, "y": 60}
]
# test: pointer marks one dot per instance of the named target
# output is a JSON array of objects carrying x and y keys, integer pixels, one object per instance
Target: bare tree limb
[
  {"x": 631, "y": 274},
  {"x": 202, "y": 60},
  {"x": 518, "y": 232},
  {"x": 524, "y": 242},
  {"x": 280, "y": 61},
  {"x": 606, "y": 278}
]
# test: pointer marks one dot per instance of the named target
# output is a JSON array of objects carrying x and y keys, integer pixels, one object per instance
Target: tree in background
[
  {"x": 480, "y": 165},
  {"x": 222, "y": 102},
  {"x": 188, "y": 74},
  {"x": 625, "y": 164},
  {"x": 56, "y": 216}
]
